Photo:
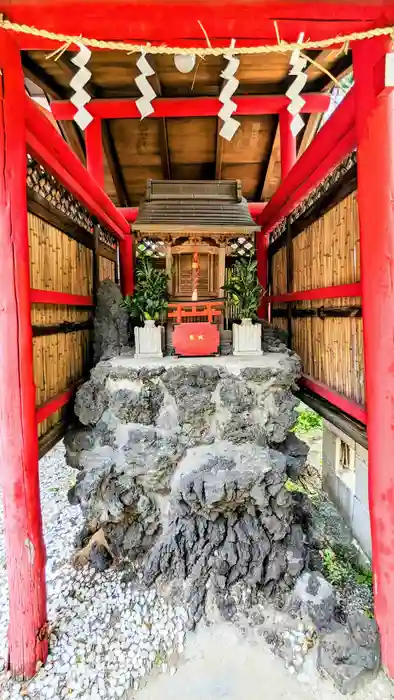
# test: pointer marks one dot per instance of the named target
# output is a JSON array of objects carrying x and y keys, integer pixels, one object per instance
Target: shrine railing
[{"x": 185, "y": 311}]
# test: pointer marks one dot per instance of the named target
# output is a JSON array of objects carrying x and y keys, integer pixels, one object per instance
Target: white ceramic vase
[
  {"x": 148, "y": 341},
  {"x": 247, "y": 338}
]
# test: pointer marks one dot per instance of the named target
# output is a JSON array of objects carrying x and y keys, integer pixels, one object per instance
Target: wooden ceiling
[{"x": 183, "y": 148}]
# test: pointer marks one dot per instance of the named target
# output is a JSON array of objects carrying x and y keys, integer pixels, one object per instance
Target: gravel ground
[{"x": 109, "y": 632}]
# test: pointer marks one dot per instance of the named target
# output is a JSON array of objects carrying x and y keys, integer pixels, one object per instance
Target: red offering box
[{"x": 196, "y": 339}]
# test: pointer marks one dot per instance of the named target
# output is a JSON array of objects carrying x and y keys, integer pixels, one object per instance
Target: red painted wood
[
  {"x": 288, "y": 143},
  {"x": 256, "y": 208},
  {"x": 192, "y": 309},
  {"x": 340, "y": 290},
  {"x": 195, "y": 339},
  {"x": 94, "y": 151},
  {"x": 131, "y": 213},
  {"x": 126, "y": 257},
  {"x": 153, "y": 20},
  {"x": 50, "y": 149},
  {"x": 24, "y": 542},
  {"x": 335, "y": 140},
  {"x": 353, "y": 409},
  {"x": 44, "y": 296},
  {"x": 50, "y": 407},
  {"x": 189, "y": 106},
  {"x": 262, "y": 272},
  {"x": 375, "y": 166}
]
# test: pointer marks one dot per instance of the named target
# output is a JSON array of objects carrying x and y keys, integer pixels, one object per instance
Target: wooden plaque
[{"x": 196, "y": 339}]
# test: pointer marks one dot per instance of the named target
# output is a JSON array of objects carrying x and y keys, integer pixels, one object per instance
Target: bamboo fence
[
  {"x": 58, "y": 263},
  {"x": 325, "y": 254},
  {"x": 106, "y": 269}
]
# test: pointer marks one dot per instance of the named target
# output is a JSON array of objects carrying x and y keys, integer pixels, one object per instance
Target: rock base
[{"x": 183, "y": 463}]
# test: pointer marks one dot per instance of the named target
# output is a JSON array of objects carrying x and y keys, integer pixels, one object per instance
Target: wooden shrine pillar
[
  {"x": 262, "y": 271},
  {"x": 375, "y": 165},
  {"x": 25, "y": 551},
  {"x": 288, "y": 144},
  {"x": 94, "y": 151},
  {"x": 126, "y": 259}
]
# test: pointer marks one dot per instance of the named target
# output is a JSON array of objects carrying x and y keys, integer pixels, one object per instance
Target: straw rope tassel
[
  {"x": 293, "y": 93},
  {"x": 144, "y": 104},
  {"x": 78, "y": 82},
  {"x": 230, "y": 125}
]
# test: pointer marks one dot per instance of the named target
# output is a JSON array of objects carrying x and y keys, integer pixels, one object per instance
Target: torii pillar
[
  {"x": 25, "y": 551},
  {"x": 375, "y": 139}
]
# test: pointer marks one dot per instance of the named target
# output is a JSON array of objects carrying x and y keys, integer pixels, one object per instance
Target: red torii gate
[{"x": 364, "y": 120}]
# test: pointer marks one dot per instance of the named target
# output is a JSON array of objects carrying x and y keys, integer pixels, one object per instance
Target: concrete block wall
[{"x": 345, "y": 478}]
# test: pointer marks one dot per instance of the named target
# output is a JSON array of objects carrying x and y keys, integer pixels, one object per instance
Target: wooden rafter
[
  {"x": 108, "y": 141},
  {"x": 247, "y": 105},
  {"x": 322, "y": 82},
  {"x": 54, "y": 91},
  {"x": 273, "y": 172},
  {"x": 163, "y": 134},
  {"x": 219, "y": 152},
  {"x": 342, "y": 67},
  {"x": 111, "y": 155}
]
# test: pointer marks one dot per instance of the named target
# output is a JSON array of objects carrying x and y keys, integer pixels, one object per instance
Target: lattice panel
[
  {"x": 153, "y": 247},
  {"x": 241, "y": 246},
  {"x": 47, "y": 187}
]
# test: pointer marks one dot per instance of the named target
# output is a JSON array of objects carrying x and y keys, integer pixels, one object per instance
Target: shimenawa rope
[{"x": 280, "y": 47}]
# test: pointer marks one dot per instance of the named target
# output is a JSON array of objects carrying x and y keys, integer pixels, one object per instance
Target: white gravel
[{"x": 108, "y": 633}]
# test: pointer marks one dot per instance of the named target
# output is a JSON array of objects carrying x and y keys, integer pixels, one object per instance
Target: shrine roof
[{"x": 200, "y": 206}]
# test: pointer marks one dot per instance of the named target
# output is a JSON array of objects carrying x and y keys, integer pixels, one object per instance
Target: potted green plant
[
  {"x": 148, "y": 305},
  {"x": 244, "y": 292}
]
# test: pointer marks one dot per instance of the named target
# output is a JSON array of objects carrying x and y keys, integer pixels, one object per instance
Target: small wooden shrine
[{"x": 195, "y": 229}]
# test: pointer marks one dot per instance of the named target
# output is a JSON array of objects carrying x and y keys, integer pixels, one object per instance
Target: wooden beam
[
  {"x": 342, "y": 67},
  {"x": 24, "y": 542},
  {"x": 309, "y": 133},
  {"x": 164, "y": 152},
  {"x": 319, "y": 83},
  {"x": 46, "y": 144},
  {"x": 94, "y": 151},
  {"x": 334, "y": 142},
  {"x": 66, "y": 327},
  {"x": 43, "y": 80},
  {"x": 335, "y": 292},
  {"x": 111, "y": 155},
  {"x": 353, "y": 409},
  {"x": 145, "y": 21},
  {"x": 331, "y": 413},
  {"x": 273, "y": 174},
  {"x": 320, "y": 312},
  {"x": 163, "y": 135},
  {"x": 54, "y": 91},
  {"x": 107, "y": 140},
  {"x": 219, "y": 151},
  {"x": 46, "y": 296},
  {"x": 248, "y": 105}
]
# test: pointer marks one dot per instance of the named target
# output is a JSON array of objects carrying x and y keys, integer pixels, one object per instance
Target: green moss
[
  {"x": 307, "y": 422},
  {"x": 342, "y": 571}
]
